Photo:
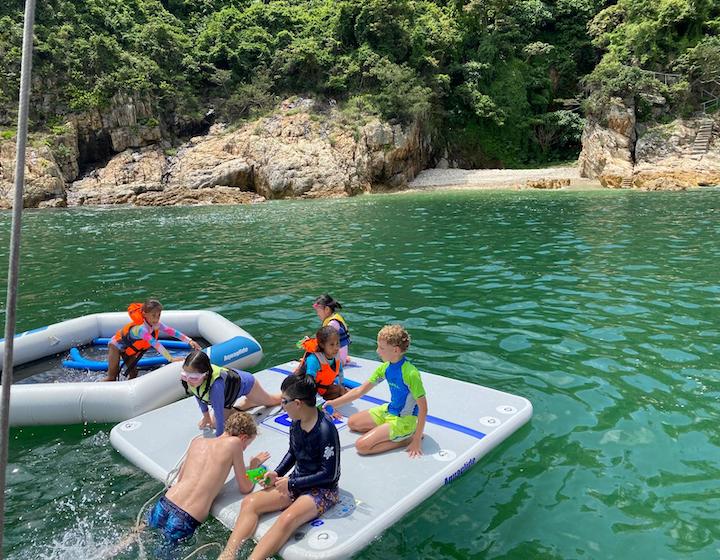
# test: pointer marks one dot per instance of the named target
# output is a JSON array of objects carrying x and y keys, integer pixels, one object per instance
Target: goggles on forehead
[{"x": 191, "y": 376}]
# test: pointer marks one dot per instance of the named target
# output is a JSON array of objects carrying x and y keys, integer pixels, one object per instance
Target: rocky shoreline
[
  {"x": 620, "y": 152},
  {"x": 309, "y": 149},
  {"x": 303, "y": 149}
]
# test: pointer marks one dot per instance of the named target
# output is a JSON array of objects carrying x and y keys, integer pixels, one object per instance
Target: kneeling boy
[{"x": 401, "y": 422}]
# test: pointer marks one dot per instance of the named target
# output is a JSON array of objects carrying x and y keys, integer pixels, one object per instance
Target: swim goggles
[{"x": 193, "y": 377}]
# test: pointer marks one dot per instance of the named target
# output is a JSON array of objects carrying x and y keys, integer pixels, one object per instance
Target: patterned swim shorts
[
  {"x": 324, "y": 498},
  {"x": 175, "y": 523}
]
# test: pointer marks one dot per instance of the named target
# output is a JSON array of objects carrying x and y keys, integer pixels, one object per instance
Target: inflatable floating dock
[
  {"x": 89, "y": 401},
  {"x": 466, "y": 421}
]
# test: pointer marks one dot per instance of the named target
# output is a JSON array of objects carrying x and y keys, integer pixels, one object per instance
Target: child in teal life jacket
[
  {"x": 219, "y": 388},
  {"x": 321, "y": 362},
  {"x": 327, "y": 311}
]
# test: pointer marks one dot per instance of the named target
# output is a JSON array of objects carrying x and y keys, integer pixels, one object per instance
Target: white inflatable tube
[{"x": 80, "y": 402}]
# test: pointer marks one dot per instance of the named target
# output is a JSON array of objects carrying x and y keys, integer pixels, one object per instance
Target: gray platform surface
[{"x": 465, "y": 422}]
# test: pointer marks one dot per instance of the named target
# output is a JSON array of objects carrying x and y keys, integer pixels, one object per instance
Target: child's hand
[
  {"x": 281, "y": 484},
  {"x": 259, "y": 459},
  {"x": 329, "y": 409},
  {"x": 270, "y": 479},
  {"x": 206, "y": 422},
  {"x": 194, "y": 345},
  {"x": 177, "y": 359},
  {"x": 415, "y": 448}
]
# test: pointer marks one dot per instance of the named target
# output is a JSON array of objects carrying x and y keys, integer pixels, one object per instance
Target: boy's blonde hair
[
  {"x": 395, "y": 335},
  {"x": 241, "y": 423}
]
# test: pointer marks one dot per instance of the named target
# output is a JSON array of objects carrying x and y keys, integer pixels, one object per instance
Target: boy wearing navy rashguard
[
  {"x": 312, "y": 486},
  {"x": 400, "y": 422}
]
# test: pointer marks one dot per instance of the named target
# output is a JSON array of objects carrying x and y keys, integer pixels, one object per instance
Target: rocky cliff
[
  {"x": 304, "y": 149},
  {"x": 621, "y": 152},
  {"x": 44, "y": 184}
]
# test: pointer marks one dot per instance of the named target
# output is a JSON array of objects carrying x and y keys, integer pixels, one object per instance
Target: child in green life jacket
[{"x": 219, "y": 388}]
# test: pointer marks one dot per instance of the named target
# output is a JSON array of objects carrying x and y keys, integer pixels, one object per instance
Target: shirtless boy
[{"x": 187, "y": 503}]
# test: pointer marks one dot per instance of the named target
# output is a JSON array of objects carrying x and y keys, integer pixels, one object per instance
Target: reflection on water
[{"x": 600, "y": 307}]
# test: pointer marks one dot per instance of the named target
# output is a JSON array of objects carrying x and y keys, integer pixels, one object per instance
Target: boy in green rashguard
[{"x": 400, "y": 422}]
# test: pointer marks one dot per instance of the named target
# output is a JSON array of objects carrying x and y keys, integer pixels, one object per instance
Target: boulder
[
  {"x": 547, "y": 183},
  {"x": 126, "y": 175},
  {"x": 43, "y": 177},
  {"x": 608, "y": 143}
]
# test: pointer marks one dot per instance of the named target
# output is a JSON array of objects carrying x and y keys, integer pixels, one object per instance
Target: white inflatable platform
[
  {"x": 89, "y": 401},
  {"x": 465, "y": 422}
]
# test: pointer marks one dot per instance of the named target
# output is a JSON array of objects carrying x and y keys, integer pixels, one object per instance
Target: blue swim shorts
[{"x": 175, "y": 523}]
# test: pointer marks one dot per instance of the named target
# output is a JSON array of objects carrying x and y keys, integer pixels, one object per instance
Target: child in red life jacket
[
  {"x": 321, "y": 362},
  {"x": 327, "y": 311},
  {"x": 136, "y": 338}
]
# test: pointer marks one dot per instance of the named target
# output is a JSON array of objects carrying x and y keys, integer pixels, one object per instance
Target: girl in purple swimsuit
[{"x": 219, "y": 388}]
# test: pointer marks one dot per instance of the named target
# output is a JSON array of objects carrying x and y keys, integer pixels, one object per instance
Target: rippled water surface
[{"x": 599, "y": 307}]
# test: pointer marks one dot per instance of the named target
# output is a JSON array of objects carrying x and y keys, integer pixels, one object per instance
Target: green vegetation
[
  {"x": 488, "y": 76},
  {"x": 640, "y": 37}
]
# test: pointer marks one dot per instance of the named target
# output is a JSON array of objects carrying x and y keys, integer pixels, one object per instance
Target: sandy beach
[{"x": 497, "y": 178}]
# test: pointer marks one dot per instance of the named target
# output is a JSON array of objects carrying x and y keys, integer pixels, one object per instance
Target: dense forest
[{"x": 498, "y": 81}]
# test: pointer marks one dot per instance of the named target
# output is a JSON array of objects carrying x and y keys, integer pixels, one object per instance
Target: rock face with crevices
[
  {"x": 608, "y": 141},
  {"x": 300, "y": 152},
  {"x": 44, "y": 185},
  {"x": 623, "y": 153},
  {"x": 304, "y": 149}
]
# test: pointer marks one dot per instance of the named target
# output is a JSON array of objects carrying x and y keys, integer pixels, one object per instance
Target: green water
[{"x": 599, "y": 307}]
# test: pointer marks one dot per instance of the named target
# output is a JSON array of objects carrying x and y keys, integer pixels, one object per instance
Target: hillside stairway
[
  {"x": 627, "y": 183},
  {"x": 702, "y": 139}
]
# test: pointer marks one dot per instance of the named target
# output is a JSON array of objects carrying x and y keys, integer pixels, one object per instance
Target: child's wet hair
[
  {"x": 395, "y": 335},
  {"x": 150, "y": 305},
  {"x": 300, "y": 387},
  {"x": 199, "y": 361},
  {"x": 324, "y": 334},
  {"x": 328, "y": 301},
  {"x": 241, "y": 423}
]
